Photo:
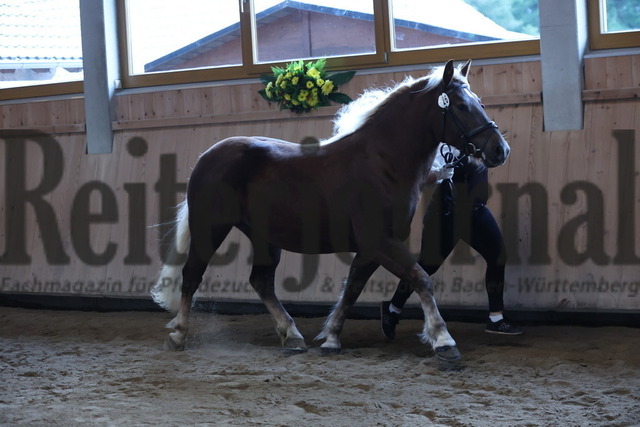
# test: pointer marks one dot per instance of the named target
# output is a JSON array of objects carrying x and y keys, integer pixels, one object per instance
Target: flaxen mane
[{"x": 353, "y": 115}]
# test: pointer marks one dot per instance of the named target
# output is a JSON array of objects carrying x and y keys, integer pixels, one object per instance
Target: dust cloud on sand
[{"x": 86, "y": 368}]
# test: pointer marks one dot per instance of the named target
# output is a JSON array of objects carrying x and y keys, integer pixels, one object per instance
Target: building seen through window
[
  {"x": 201, "y": 33},
  {"x": 40, "y": 42}
]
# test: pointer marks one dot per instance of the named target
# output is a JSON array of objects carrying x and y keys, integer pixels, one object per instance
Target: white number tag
[{"x": 443, "y": 100}]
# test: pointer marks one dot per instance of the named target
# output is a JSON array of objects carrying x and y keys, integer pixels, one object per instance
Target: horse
[{"x": 355, "y": 192}]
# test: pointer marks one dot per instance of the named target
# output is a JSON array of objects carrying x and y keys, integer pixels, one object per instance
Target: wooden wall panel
[
  {"x": 613, "y": 77},
  {"x": 576, "y": 175}
]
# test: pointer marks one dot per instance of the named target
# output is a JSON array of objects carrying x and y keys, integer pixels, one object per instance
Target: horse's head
[{"x": 466, "y": 125}]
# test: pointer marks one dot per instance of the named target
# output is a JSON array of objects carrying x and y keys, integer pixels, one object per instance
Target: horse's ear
[
  {"x": 447, "y": 76},
  {"x": 465, "y": 69}
]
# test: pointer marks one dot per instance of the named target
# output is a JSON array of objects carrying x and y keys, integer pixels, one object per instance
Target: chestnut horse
[{"x": 356, "y": 192}]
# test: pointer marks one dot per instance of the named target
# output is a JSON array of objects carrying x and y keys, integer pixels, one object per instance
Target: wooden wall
[{"x": 567, "y": 201}]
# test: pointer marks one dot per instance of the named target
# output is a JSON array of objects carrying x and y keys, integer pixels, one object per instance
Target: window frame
[
  {"x": 383, "y": 57},
  {"x": 37, "y": 90},
  {"x": 42, "y": 88},
  {"x": 599, "y": 40}
]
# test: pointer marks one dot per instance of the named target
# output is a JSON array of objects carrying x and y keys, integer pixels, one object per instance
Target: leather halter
[{"x": 467, "y": 135}]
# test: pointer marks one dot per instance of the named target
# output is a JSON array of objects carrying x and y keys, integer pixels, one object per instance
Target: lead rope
[{"x": 448, "y": 190}]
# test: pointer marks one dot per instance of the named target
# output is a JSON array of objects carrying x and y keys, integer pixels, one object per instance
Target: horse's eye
[{"x": 463, "y": 107}]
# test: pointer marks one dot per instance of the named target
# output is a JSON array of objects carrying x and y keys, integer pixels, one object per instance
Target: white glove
[{"x": 442, "y": 173}]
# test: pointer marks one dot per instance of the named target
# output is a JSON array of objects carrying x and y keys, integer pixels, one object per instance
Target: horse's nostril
[{"x": 501, "y": 152}]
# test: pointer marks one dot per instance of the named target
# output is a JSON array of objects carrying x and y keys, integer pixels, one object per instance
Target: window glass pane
[
  {"x": 286, "y": 30},
  {"x": 426, "y": 23},
  {"x": 39, "y": 42},
  {"x": 621, "y": 15},
  {"x": 169, "y": 35}
]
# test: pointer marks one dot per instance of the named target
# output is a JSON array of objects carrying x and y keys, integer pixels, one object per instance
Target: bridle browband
[{"x": 467, "y": 135}]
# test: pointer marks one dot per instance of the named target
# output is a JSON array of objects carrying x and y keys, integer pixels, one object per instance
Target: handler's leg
[
  {"x": 399, "y": 261},
  {"x": 486, "y": 239}
]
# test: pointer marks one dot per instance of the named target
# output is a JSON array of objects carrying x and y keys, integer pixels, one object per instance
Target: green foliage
[
  {"x": 301, "y": 87},
  {"x": 341, "y": 78},
  {"x": 520, "y": 16},
  {"x": 339, "y": 97},
  {"x": 623, "y": 15}
]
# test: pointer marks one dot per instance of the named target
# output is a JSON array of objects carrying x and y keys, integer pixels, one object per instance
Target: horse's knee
[
  {"x": 262, "y": 280},
  {"x": 350, "y": 296},
  {"x": 430, "y": 287},
  {"x": 423, "y": 287},
  {"x": 260, "y": 275}
]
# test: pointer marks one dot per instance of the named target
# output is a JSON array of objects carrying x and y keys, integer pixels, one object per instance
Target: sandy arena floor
[{"x": 78, "y": 368}]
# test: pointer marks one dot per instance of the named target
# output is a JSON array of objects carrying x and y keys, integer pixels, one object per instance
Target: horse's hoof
[
  {"x": 294, "y": 345},
  {"x": 448, "y": 353},
  {"x": 329, "y": 351},
  {"x": 170, "y": 344}
]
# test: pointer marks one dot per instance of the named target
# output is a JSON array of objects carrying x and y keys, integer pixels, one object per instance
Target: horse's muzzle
[{"x": 496, "y": 154}]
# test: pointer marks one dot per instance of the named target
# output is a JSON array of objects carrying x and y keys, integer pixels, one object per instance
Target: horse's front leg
[
  {"x": 399, "y": 261},
  {"x": 435, "y": 331},
  {"x": 358, "y": 275},
  {"x": 263, "y": 281}
]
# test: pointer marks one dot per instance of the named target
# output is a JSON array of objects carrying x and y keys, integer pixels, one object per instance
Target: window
[
  {"x": 457, "y": 22},
  {"x": 285, "y": 31},
  {"x": 433, "y": 30},
  {"x": 168, "y": 42},
  {"x": 621, "y": 15},
  {"x": 166, "y": 36},
  {"x": 200, "y": 40},
  {"x": 40, "y": 44},
  {"x": 614, "y": 23}
]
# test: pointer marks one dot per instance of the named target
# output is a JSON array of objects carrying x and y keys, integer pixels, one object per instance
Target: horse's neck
[{"x": 408, "y": 144}]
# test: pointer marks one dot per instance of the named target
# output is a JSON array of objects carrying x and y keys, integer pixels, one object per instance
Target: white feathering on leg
[{"x": 167, "y": 290}]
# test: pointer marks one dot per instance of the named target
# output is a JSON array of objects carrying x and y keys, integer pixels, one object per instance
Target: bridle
[{"x": 467, "y": 135}]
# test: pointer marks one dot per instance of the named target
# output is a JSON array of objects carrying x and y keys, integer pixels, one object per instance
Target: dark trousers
[{"x": 441, "y": 231}]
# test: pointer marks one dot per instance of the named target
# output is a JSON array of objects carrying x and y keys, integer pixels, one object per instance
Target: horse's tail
[{"x": 167, "y": 290}]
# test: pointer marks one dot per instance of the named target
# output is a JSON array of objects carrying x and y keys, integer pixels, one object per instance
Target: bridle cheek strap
[{"x": 471, "y": 148}]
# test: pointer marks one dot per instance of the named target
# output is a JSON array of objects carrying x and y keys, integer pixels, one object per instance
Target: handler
[{"x": 458, "y": 211}]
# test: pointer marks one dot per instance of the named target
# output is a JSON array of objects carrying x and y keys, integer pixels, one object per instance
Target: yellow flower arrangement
[{"x": 301, "y": 87}]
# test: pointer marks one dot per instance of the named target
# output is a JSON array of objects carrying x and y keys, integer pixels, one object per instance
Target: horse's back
[
  {"x": 237, "y": 159},
  {"x": 278, "y": 186}
]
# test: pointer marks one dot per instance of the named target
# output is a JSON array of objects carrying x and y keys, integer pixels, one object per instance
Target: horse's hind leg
[
  {"x": 263, "y": 281},
  {"x": 197, "y": 260},
  {"x": 358, "y": 276}
]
